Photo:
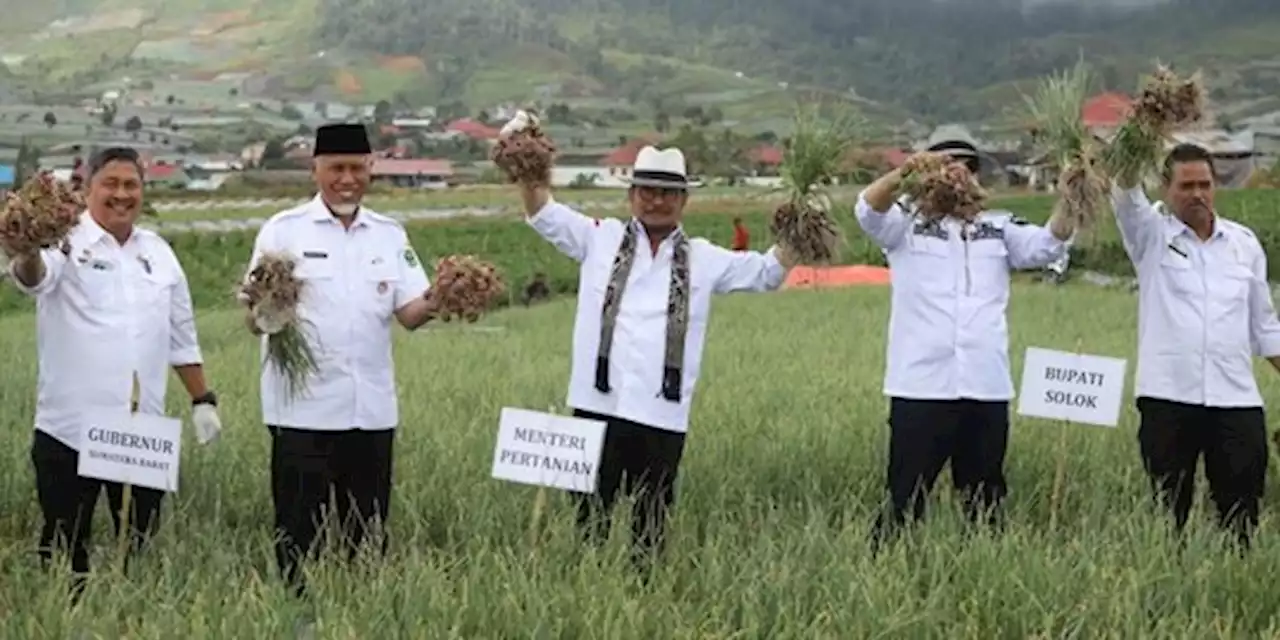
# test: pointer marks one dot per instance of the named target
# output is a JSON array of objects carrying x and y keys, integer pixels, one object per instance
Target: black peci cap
[{"x": 342, "y": 139}]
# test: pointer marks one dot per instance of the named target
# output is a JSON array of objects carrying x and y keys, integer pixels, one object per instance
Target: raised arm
[
  {"x": 563, "y": 227},
  {"x": 879, "y": 214},
  {"x": 1264, "y": 328},
  {"x": 38, "y": 273},
  {"x": 1032, "y": 246},
  {"x": 1138, "y": 220},
  {"x": 747, "y": 270}
]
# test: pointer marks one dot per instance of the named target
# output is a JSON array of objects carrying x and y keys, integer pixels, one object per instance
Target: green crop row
[{"x": 214, "y": 262}]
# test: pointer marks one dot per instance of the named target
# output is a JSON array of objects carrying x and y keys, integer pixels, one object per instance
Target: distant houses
[
  {"x": 1235, "y": 157},
  {"x": 166, "y": 176},
  {"x": 473, "y": 129},
  {"x": 1104, "y": 113},
  {"x": 413, "y": 173},
  {"x": 605, "y": 168},
  {"x": 418, "y": 150}
]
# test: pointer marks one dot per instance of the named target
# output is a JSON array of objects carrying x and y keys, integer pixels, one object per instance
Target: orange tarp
[{"x": 812, "y": 277}]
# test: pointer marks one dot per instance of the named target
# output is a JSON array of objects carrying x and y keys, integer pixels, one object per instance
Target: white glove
[
  {"x": 523, "y": 120},
  {"x": 205, "y": 418}
]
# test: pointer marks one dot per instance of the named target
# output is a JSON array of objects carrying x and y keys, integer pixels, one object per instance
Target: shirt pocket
[
  {"x": 1232, "y": 290},
  {"x": 319, "y": 280},
  {"x": 380, "y": 280},
  {"x": 98, "y": 286},
  {"x": 989, "y": 260},
  {"x": 1176, "y": 271},
  {"x": 928, "y": 266},
  {"x": 315, "y": 269},
  {"x": 155, "y": 289}
]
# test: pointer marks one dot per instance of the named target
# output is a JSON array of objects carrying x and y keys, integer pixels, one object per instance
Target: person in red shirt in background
[{"x": 740, "y": 236}]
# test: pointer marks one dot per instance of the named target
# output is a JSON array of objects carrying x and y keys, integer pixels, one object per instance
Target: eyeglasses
[{"x": 655, "y": 193}]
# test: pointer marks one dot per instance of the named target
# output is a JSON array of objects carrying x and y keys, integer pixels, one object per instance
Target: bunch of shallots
[
  {"x": 272, "y": 293},
  {"x": 39, "y": 215},
  {"x": 523, "y": 151},
  {"x": 1056, "y": 109},
  {"x": 940, "y": 187},
  {"x": 465, "y": 287},
  {"x": 804, "y": 227},
  {"x": 1082, "y": 191},
  {"x": 1166, "y": 102},
  {"x": 1169, "y": 102}
]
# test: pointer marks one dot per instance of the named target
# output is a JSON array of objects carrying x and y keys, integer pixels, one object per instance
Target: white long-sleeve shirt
[
  {"x": 1204, "y": 308},
  {"x": 105, "y": 311},
  {"x": 355, "y": 280},
  {"x": 639, "y": 342},
  {"x": 948, "y": 332}
]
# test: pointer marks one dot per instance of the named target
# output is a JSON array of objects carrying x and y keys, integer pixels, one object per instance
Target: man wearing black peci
[{"x": 331, "y": 448}]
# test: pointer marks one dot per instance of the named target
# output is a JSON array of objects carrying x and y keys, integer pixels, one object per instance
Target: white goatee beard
[{"x": 344, "y": 209}]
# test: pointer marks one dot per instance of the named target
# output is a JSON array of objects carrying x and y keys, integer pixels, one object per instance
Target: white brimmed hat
[{"x": 661, "y": 169}]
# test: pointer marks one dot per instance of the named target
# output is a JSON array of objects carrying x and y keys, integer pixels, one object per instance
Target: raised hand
[
  {"x": 924, "y": 162},
  {"x": 523, "y": 152}
]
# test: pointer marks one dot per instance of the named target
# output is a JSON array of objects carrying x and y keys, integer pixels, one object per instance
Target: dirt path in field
[
  {"x": 402, "y": 63},
  {"x": 348, "y": 83}
]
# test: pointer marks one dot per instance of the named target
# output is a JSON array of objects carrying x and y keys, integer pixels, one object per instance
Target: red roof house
[
  {"x": 415, "y": 172},
  {"x": 1108, "y": 110},
  {"x": 766, "y": 155},
  {"x": 473, "y": 129},
  {"x": 622, "y": 159},
  {"x": 386, "y": 167},
  {"x": 625, "y": 156},
  {"x": 165, "y": 174}
]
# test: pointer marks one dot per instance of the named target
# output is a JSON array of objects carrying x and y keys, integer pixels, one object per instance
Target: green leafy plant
[{"x": 813, "y": 158}]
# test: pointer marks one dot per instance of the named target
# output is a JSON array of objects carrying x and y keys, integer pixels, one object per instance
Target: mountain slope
[{"x": 957, "y": 59}]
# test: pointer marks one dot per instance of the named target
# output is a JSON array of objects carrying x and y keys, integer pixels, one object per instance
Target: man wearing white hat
[{"x": 644, "y": 295}]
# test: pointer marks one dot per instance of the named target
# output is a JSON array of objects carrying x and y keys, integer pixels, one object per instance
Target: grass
[{"x": 781, "y": 476}]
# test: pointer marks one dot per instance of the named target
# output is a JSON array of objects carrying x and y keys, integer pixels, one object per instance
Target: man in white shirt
[
  {"x": 113, "y": 315},
  {"x": 360, "y": 273},
  {"x": 1204, "y": 312},
  {"x": 643, "y": 299},
  {"x": 948, "y": 374}
]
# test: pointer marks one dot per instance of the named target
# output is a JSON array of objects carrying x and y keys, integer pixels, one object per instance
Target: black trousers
[
  {"x": 924, "y": 435},
  {"x": 644, "y": 463},
  {"x": 1233, "y": 441},
  {"x": 67, "y": 502},
  {"x": 342, "y": 478}
]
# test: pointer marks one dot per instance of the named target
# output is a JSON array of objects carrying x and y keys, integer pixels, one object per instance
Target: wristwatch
[{"x": 208, "y": 398}]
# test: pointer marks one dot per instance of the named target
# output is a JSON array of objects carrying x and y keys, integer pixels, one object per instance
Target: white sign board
[
  {"x": 139, "y": 449},
  {"x": 1072, "y": 386},
  {"x": 548, "y": 450}
]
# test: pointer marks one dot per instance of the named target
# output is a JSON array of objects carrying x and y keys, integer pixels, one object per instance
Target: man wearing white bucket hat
[{"x": 646, "y": 282}]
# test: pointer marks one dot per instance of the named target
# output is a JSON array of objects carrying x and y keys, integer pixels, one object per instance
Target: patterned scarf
[{"x": 677, "y": 312}]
